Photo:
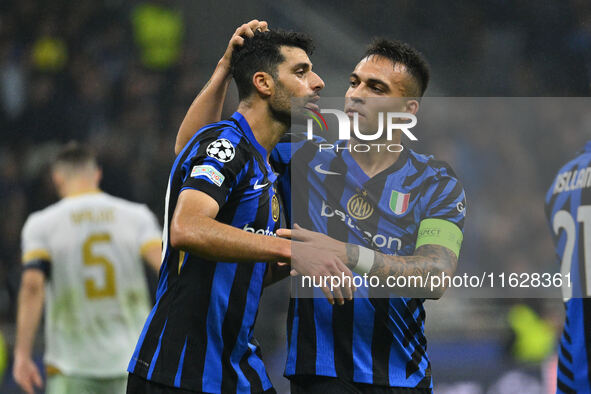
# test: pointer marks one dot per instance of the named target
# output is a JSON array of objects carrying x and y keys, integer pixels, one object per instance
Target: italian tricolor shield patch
[{"x": 399, "y": 202}]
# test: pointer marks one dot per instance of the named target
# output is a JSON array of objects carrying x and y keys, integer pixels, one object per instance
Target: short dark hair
[
  {"x": 402, "y": 53},
  {"x": 74, "y": 155},
  {"x": 262, "y": 53}
]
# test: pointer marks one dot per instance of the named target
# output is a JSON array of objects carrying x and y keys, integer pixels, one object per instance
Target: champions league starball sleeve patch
[{"x": 222, "y": 150}]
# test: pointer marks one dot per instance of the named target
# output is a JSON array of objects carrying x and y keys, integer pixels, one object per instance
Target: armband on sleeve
[{"x": 440, "y": 232}]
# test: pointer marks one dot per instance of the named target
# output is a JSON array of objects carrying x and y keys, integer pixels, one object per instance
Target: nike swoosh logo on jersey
[
  {"x": 256, "y": 186},
  {"x": 319, "y": 169}
]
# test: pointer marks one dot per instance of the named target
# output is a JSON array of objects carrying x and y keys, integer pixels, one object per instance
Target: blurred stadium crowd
[
  {"x": 120, "y": 75},
  {"x": 109, "y": 74}
]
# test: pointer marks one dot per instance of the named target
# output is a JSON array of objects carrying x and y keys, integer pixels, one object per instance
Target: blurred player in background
[
  {"x": 373, "y": 344},
  {"x": 223, "y": 211},
  {"x": 83, "y": 257},
  {"x": 568, "y": 209}
]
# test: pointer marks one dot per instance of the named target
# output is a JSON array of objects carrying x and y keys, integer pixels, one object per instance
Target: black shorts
[
  {"x": 311, "y": 384},
  {"x": 138, "y": 385}
]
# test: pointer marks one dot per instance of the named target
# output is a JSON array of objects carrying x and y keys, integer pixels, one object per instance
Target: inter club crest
[
  {"x": 358, "y": 206},
  {"x": 275, "y": 207}
]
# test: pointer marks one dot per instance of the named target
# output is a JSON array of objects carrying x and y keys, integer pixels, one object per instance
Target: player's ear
[
  {"x": 99, "y": 175},
  {"x": 58, "y": 179},
  {"x": 412, "y": 106},
  {"x": 263, "y": 83}
]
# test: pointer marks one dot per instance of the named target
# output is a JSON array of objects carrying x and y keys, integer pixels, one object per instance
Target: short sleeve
[
  {"x": 34, "y": 243},
  {"x": 445, "y": 199},
  {"x": 150, "y": 232},
  {"x": 216, "y": 164}
]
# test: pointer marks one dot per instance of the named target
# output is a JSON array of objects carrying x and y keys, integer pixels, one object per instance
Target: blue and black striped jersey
[
  {"x": 568, "y": 209},
  {"x": 371, "y": 340},
  {"x": 199, "y": 335}
]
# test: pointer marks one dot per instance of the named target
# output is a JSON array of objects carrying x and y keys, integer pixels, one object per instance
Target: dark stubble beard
[{"x": 280, "y": 105}]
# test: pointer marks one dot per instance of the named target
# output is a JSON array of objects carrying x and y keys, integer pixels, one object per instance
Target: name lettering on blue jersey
[
  {"x": 568, "y": 210},
  {"x": 572, "y": 180}
]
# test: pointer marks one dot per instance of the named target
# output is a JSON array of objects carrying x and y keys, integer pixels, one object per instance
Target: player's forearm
[
  {"x": 428, "y": 261},
  {"x": 30, "y": 307},
  {"x": 207, "y": 106},
  {"x": 216, "y": 241},
  {"x": 152, "y": 255}
]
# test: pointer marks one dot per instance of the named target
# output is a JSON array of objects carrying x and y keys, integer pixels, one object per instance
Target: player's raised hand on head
[
  {"x": 26, "y": 374},
  {"x": 237, "y": 39}
]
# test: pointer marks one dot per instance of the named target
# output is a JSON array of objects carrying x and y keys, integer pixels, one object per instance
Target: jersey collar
[
  {"x": 588, "y": 146},
  {"x": 358, "y": 173},
  {"x": 245, "y": 127}
]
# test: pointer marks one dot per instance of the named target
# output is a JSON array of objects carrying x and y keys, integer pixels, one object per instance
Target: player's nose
[
  {"x": 356, "y": 93},
  {"x": 316, "y": 83},
  {"x": 354, "y": 99}
]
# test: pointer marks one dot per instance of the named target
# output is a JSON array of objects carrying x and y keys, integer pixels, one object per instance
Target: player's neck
[
  {"x": 266, "y": 129},
  {"x": 374, "y": 161},
  {"x": 78, "y": 188}
]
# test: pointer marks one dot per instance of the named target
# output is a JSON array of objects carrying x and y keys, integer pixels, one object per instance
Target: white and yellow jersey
[{"x": 96, "y": 295}]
